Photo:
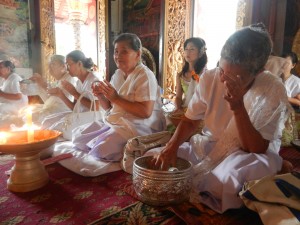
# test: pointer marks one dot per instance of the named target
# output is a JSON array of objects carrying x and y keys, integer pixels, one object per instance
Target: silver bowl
[{"x": 159, "y": 188}]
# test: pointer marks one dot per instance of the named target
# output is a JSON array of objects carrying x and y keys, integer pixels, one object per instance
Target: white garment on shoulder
[
  {"x": 267, "y": 107},
  {"x": 11, "y": 85},
  {"x": 292, "y": 86},
  {"x": 276, "y": 65},
  {"x": 141, "y": 85},
  {"x": 54, "y": 103},
  {"x": 86, "y": 86},
  {"x": 107, "y": 141}
]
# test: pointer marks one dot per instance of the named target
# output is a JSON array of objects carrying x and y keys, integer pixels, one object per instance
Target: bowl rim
[
  {"x": 54, "y": 137},
  {"x": 163, "y": 172}
]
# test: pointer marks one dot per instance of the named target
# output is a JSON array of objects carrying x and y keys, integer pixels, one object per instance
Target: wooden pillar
[
  {"x": 176, "y": 30},
  {"x": 47, "y": 35}
]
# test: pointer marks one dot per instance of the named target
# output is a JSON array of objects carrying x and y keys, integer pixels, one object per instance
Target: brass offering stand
[{"x": 28, "y": 172}]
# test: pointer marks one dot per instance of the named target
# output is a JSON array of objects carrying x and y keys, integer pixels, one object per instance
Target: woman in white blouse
[
  {"x": 291, "y": 81},
  {"x": 53, "y": 94},
  {"x": 244, "y": 109},
  {"x": 131, "y": 101}
]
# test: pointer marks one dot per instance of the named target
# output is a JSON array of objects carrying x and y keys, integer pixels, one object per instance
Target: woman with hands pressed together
[
  {"x": 52, "y": 95},
  {"x": 244, "y": 110},
  {"x": 131, "y": 101},
  {"x": 81, "y": 67}
]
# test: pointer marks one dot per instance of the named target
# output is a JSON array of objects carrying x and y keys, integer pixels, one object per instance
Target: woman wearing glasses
[
  {"x": 80, "y": 67},
  {"x": 52, "y": 94},
  {"x": 244, "y": 109}
]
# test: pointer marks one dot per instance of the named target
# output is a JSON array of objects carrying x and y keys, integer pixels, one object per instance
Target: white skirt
[{"x": 219, "y": 187}]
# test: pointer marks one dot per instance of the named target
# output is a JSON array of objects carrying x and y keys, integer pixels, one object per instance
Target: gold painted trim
[
  {"x": 47, "y": 20},
  {"x": 296, "y": 49},
  {"x": 241, "y": 14},
  {"x": 176, "y": 30},
  {"x": 47, "y": 35},
  {"x": 102, "y": 31}
]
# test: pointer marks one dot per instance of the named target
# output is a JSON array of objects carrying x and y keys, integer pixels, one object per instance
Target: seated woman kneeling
[
  {"x": 131, "y": 100},
  {"x": 244, "y": 109}
]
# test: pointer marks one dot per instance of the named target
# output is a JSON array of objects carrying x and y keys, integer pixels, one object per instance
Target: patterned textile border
[
  {"x": 68, "y": 198},
  {"x": 200, "y": 214},
  {"x": 139, "y": 213},
  {"x": 185, "y": 213}
]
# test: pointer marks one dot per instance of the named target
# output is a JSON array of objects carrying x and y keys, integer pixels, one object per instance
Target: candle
[
  {"x": 3, "y": 138},
  {"x": 30, "y": 130}
]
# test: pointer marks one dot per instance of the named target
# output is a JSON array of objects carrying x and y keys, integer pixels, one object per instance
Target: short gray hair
[
  {"x": 249, "y": 47},
  {"x": 57, "y": 58}
]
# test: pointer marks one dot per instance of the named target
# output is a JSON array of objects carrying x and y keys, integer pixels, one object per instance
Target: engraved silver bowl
[{"x": 159, "y": 188}]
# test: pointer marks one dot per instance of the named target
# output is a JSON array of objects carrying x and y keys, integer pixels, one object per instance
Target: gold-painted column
[
  {"x": 102, "y": 31},
  {"x": 244, "y": 13},
  {"x": 296, "y": 49},
  {"x": 47, "y": 35},
  {"x": 176, "y": 30}
]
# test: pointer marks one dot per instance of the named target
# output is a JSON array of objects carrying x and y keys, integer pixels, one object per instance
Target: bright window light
[
  {"x": 65, "y": 40},
  {"x": 214, "y": 21}
]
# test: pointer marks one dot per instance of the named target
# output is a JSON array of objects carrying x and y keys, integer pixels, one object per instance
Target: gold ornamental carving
[
  {"x": 176, "y": 30},
  {"x": 296, "y": 49},
  {"x": 244, "y": 13},
  {"x": 241, "y": 14},
  {"x": 47, "y": 35},
  {"x": 102, "y": 31}
]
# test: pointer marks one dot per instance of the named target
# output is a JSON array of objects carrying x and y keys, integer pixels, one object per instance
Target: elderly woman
[
  {"x": 82, "y": 68},
  {"x": 244, "y": 109},
  {"x": 11, "y": 98},
  {"x": 53, "y": 95},
  {"x": 131, "y": 100}
]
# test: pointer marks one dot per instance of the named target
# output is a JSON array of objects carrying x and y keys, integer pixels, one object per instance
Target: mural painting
[{"x": 14, "y": 29}]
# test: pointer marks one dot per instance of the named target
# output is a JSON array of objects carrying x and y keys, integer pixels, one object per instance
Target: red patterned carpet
[
  {"x": 108, "y": 199},
  {"x": 67, "y": 199}
]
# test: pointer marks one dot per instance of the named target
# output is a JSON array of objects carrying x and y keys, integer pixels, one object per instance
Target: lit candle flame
[
  {"x": 30, "y": 129},
  {"x": 3, "y": 138}
]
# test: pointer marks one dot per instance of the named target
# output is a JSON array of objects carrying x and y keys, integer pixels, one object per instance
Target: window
[
  {"x": 75, "y": 27},
  {"x": 214, "y": 21}
]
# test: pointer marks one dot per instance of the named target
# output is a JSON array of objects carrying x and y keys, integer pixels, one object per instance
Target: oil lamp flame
[
  {"x": 30, "y": 128},
  {"x": 3, "y": 138}
]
